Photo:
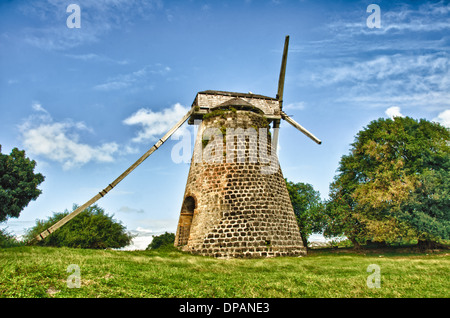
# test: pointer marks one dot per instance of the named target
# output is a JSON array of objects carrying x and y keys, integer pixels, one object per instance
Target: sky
[{"x": 86, "y": 100}]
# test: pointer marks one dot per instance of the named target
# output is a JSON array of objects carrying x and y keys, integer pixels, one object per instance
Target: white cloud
[
  {"x": 38, "y": 107},
  {"x": 96, "y": 58},
  {"x": 400, "y": 79},
  {"x": 377, "y": 67},
  {"x": 59, "y": 141},
  {"x": 126, "y": 209},
  {"x": 443, "y": 118},
  {"x": 427, "y": 17},
  {"x": 114, "y": 85},
  {"x": 142, "y": 238},
  {"x": 143, "y": 230},
  {"x": 295, "y": 106},
  {"x": 134, "y": 78},
  {"x": 420, "y": 71},
  {"x": 155, "y": 124},
  {"x": 393, "y": 111},
  {"x": 98, "y": 18}
]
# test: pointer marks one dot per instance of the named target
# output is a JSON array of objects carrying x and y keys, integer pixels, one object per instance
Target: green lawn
[{"x": 42, "y": 272}]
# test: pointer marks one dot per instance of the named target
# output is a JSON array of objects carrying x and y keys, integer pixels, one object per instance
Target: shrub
[
  {"x": 163, "y": 240},
  {"x": 8, "y": 240},
  {"x": 92, "y": 228}
]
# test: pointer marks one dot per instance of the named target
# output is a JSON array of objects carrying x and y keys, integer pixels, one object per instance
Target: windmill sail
[
  {"x": 276, "y": 122},
  {"x": 283, "y": 71},
  {"x": 300, "y": 127},
  {"x": 102, "y": 193}
]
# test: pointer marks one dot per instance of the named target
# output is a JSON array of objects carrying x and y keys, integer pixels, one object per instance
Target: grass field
[{"x": 42, "y": 272}]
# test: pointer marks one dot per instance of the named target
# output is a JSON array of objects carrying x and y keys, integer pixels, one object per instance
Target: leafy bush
[
  {"x": 8, "y": 240},
  {"x": 163, "y": 240},
  {"x": 308, "y": 208},
  {"x": 92, "y": 228}
]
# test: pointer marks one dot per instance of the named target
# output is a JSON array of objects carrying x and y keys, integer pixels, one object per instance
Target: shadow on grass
[{"x": 412, "y": 249}]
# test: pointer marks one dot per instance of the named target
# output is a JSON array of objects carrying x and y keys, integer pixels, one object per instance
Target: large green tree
[
  {"x": 92, "y": 228},
  {"x": 393, "y": 184},
  {"x": 308, "y": 208},
  {"x": 18, "y": 183}
]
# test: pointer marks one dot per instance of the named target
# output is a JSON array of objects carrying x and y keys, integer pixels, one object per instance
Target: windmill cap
[{"x": 209, "y": 100}]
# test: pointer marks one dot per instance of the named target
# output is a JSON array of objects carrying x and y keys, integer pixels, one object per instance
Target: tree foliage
[
  {"x": 18, "y": 183},
  {"x": 393, "y": 184},
  {"x": 308, "y": 208},
  {"x": 92, "y": 228},
  {"x": 428, "y": 209},
  {"x": 163, "y": 240}
]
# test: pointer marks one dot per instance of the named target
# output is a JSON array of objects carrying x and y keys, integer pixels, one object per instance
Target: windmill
[{"x": 236, "y": 202}]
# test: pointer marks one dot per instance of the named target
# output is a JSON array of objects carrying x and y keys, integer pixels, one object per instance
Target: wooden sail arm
[
  {"x": 282, "y": 72},
  {"x": 102, "y": 193},
  {"x": 300, "y": 127},
  {"x": 276, "y": 122}
]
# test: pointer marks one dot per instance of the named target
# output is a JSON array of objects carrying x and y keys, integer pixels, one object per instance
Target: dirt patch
[{"x": 51, "y": 291}]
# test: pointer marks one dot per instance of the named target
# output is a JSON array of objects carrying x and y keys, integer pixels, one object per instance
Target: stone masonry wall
[{"x": 241, "y": 203}]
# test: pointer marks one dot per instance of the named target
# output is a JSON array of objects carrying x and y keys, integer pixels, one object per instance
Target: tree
[
  {"x": 92, "y": 228},
  {"x": 308, "y": 208},
  {"x": 393, "y": 184},
  {"x": 18, "y": 183},
  {"x": 428, "y": 208},
  {"x": 163, "y": 240}
]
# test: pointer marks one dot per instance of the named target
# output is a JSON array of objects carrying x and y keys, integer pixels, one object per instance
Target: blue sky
[{"x": 86, "y": 102}]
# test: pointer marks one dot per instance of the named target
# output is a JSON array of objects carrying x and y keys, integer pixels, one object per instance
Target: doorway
[{"x": 186, "y": 215}]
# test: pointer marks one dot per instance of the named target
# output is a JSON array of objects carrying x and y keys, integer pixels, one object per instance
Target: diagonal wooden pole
[
  {"x": 283, "y": 72},
  {"x": 300, "y": 127},
  {"x": 280, "y": 92},
  {"x": 102, "y": 193}
]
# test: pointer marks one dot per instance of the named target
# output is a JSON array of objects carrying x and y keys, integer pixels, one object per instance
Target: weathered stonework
[{"x": 236, "y": 203}]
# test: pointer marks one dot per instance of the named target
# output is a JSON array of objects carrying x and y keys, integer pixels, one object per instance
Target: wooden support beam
[
  {"x": 300, "y": 127},
  {"x": 102, "y": 193},
  {"x": 276, "y": 131}
]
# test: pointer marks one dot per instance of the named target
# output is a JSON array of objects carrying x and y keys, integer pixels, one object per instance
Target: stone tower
[{"x": 236, "y": 203}]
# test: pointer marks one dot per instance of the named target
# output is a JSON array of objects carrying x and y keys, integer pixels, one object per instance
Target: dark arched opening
[
  {"x": 186, "y": 215},
  {"x": 188, "y": 205}
]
